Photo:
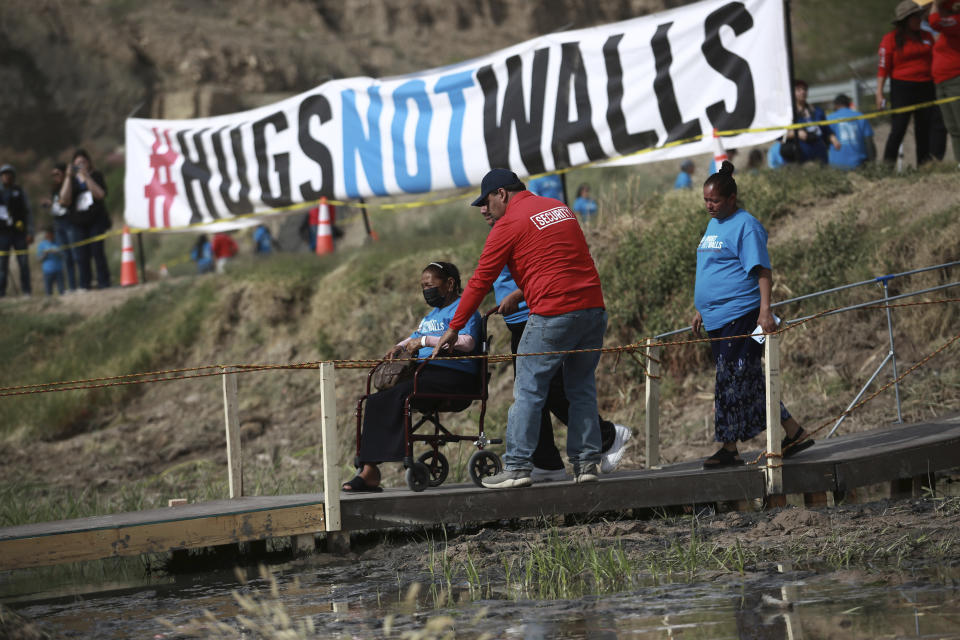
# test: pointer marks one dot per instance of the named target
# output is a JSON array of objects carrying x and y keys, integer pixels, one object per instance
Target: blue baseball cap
[{"x": 495, "y": 179}]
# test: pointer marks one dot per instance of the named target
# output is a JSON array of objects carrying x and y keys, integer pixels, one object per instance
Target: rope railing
[{"x": 634, "y": 349}]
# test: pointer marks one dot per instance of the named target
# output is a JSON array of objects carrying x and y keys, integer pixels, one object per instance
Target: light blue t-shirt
[
  {"x": 550, "y": 186},
  {"x": 503, "y": 286},
  {"x": 729, "y": 250},
  {"x": 683, "y": 181},
  {"x": 435, "y": 324},
  {"x": 774, "y": 159},
  {"x": 52, "y": 263},
  {"x": 586, "y": 207},
  {"x": 853, "y": 137}
]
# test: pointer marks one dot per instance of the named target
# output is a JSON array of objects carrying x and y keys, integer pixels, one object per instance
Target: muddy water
[{"x": 353, "y": 600}]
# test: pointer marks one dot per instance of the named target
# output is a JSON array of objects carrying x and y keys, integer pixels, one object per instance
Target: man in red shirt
[{"x": 541, "y": 242}]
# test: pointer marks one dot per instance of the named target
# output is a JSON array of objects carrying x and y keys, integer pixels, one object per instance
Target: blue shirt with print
[
  {"x": 728, "y": 252},
  {"x": 435, "y": 324},
  {"x": 52, "y": 262},
  {"x": 503, "y": 286},
  {"x": 550, "y": 186},
  {"x": 853, "y": 140}
]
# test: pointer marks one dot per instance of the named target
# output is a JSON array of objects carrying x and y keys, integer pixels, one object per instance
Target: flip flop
[
  {"x": 723, "y": 458},
  {"x": 358, "y": 485}
]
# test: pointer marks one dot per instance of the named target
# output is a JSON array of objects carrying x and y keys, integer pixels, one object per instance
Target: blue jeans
[
  {"x": 98, "y": 254},
  {"x": 82, "y": 254},
  {"x": 581, "y": 329},
  {"x": 61, "y": 235},
  {"x": 50, "y": 279},
  {"x": 14, "y": 240}
]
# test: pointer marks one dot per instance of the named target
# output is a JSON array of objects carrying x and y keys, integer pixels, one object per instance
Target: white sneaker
[
  {"x": 613, "y": 456},
  {"x": 548, "y": 475}
]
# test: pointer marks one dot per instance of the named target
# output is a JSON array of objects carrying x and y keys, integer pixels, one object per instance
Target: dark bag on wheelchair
[{"x": 392, "y": 372}]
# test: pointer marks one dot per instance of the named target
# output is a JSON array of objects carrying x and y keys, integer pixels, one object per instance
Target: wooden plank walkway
[{"x": 835, "y": 465}]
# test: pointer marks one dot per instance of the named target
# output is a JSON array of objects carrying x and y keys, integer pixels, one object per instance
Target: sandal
[
  {"x": 723, "y": 458},
  {"x": 359, "y": 485},
  {"x": 796, "y": 444}
]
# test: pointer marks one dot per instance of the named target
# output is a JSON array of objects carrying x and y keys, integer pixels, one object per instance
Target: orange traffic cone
[
  {"x": 128, "y": 266},
  {"x": 324, "y": 229},
  {"x": 719, "y": 153}
]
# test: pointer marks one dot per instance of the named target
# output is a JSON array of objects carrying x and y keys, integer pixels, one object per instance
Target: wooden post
[
  {"x": 232, "y": 420},
  {"x": 328, "y": 431},
  {"x": 652, "y": 392},
  {"x": 774, "y": 469}
]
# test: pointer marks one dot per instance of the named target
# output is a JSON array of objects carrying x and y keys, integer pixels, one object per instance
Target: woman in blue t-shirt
[
  {"x": 382, "y": 436},
  {"x": 732, "y": 297}
]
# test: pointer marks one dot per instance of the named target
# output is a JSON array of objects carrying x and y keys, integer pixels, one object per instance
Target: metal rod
[
  {"x": 843, "y": 288},
  {"x": 873, "y": 302},
  {"x": 141, "y": 258},
  {"x": 893, "y": 353},
  {"x": 366, "y": 220},
  {"x": 843, "y": 417}
]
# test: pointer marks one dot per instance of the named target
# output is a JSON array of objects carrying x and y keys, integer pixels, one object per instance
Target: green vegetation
[{"x": 147, "y": 333}]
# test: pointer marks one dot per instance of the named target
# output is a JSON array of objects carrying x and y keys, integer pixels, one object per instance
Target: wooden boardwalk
[{"x": 836, "y": 465}]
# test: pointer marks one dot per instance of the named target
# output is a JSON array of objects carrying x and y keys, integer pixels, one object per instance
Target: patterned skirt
[{"x": 740, "y": 395}]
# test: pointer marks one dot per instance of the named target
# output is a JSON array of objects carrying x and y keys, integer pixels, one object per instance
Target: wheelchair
[{"x": 431, "y": 468}]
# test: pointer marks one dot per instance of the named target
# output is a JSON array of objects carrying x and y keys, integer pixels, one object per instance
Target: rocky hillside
[{"x": 73, "y": 71}]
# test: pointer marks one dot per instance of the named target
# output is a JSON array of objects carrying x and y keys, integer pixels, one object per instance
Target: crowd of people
[
  {"x": 71, "y": 253},
  {"x": 918, "y": 62}
]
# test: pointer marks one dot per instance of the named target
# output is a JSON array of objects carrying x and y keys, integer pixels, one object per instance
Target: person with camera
[
  {"x": 16, "y": 228},
  {"x": 382, "y": 436},
  {"x": 83, "y": 192}
]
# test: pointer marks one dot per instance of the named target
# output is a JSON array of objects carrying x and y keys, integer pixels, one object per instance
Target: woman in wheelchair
[{"x": 382, "y": 437}]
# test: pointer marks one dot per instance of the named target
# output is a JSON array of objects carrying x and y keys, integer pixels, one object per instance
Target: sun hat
[
  {"x": 905, "y": 9},
  {"x": 495, "y": 179}
]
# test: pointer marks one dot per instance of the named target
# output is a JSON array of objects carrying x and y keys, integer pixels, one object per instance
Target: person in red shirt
[
  {"x": 906, "y": 57},
  {"x": 946, "y": 66},
  {"x": 224, "y": 247},
  {"x": 541, "y": 242}
]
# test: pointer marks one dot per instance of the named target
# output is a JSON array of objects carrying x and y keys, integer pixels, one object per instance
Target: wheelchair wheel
[
  {"x": 483, "y": 464},
  {"x": 418, "y": 477},
  {"x": 437, "y": 464}
]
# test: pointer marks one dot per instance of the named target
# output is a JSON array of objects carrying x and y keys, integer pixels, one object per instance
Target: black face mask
[{"x": 433, "y": 297}]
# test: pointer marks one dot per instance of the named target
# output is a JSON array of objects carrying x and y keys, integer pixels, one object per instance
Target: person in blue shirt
[
  {"x": 855, "y": 136},
  {"x": 732, "y": 297},
  {"x": 382, "y": 435},
  {"x": 547, "y": 462},
  {"x": 548, "y": 186},
  {"x": 202, "y": 254},
  {"x": 685, "y": 177},
  {"x": 51, "y": 263},
  {"x": 808, "y": 144},
  {"x": 774, "y": 158},
  {"x": 262, "y": 240},
  {"x": 584, "y": 205}
]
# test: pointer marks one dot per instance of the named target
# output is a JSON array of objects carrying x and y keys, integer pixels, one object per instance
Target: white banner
[{"x": 560, "y": 100}]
